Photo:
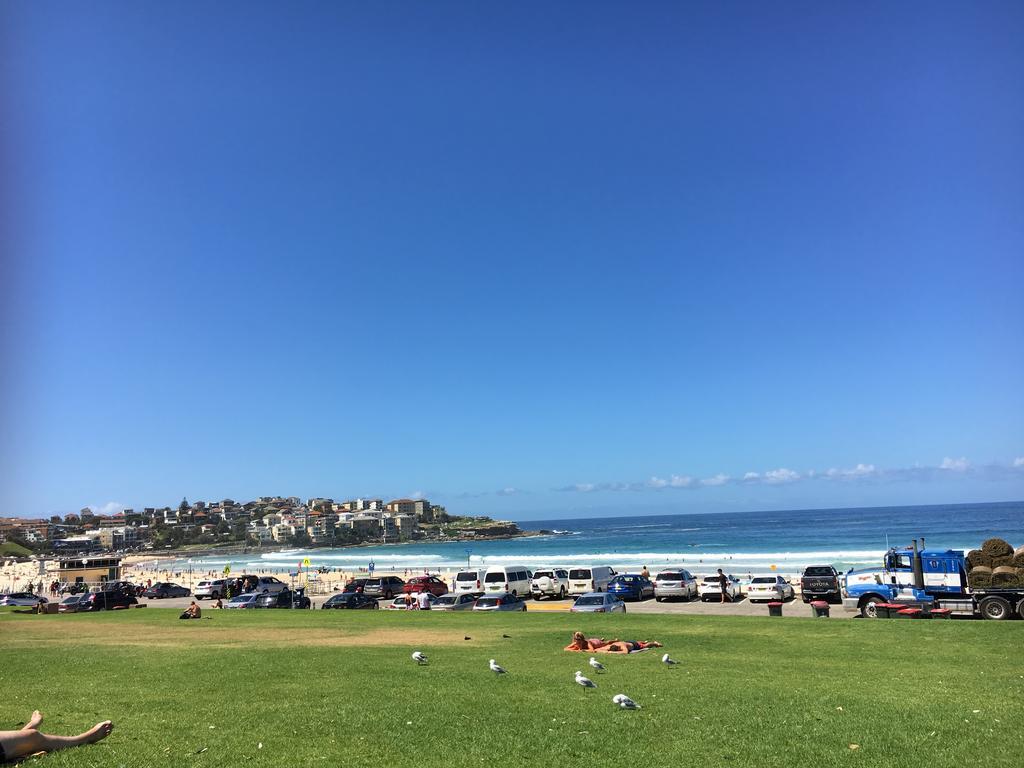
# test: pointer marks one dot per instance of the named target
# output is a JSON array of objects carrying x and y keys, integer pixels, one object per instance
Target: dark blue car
[{"x": 631, "y": 586}]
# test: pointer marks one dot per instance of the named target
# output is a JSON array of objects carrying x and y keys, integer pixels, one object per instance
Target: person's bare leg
[
  {"x": 28, "y": 741},
  {"x": 35, "y": 721}
]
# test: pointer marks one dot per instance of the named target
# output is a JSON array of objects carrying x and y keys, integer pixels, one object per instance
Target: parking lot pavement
[{"x": 742, "y": 608}]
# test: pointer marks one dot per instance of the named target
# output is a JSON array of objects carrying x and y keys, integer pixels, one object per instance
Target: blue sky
[{"x": 524, "y": 259}]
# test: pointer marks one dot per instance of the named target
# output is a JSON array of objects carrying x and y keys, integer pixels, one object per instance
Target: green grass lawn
[{"x": 338, "y": 688}]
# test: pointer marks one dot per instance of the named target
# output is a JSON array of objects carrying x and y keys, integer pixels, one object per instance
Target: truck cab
[{"x": 908, "y": 575}]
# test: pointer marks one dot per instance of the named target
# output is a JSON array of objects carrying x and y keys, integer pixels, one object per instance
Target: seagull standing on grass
[
  {"x": 584, "y": 681},
  {"x": 625, "y": 702},
  {"x": 668, "y": 661},
  {"x": 419, "y": 658},
  {"x": 496, "y": 668},
  {"x": 596, "y": 664}
]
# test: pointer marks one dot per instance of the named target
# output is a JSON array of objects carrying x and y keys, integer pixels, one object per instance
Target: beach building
[{"x": 91, "y": 570}]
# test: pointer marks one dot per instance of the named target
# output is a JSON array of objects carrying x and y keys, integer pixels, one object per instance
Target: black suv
[
  {"x": 820, "y": 582},
  {"x": 108, "y": 598}
]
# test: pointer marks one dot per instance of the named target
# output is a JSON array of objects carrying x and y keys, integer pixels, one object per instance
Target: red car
[{"x": 430, "y": 584}]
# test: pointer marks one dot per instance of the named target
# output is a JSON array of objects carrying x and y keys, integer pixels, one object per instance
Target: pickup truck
[{"x": 820, "y": 582}]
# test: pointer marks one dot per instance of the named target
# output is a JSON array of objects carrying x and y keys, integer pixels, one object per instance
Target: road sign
[
  {"x": 305, "y": 561},
  {"x": 370, "y": 569},
  {"x": 227, "y": 569}
]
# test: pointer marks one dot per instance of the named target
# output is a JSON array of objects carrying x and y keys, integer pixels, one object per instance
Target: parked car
[
  {"x": 107, "y": 598},
  {"x": 245, "y": 600},
  {"x": 23, "y": 599},
  {"x": 820, "y": 582},
  {"x": 598, "y": 602},
  {"x": 454, "y": 602},
  {"x": 550, "y": 582},
  {"x": 431, "y": 584},
  {"x": 677, "y": 582},
  {"x": 212, "y": 588},
  {"x": 355, "y": 585},
  {"x": 383, "y": 586},
  {"x": 286, "y": 599},
  {"x": 632, "y": 586},
  {"x": 769, "y": 588},
  {"x": 710, "y": 589},
  {"x": 507, "y": 578},
  {"x": 269, "y": 584},
  {"x": 73, "y": 603},
  {"x": 592, "y": 578},
  {"x": 164, "y": 589},
  {"x": 503, "y": 601},
  {"x": 470, "y": 581},
  {"x": 399, "y": 604},
  {"x": 350, "y": 600}
]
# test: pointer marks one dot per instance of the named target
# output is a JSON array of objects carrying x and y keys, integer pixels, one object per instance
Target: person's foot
[
  {"x": 35, "y": 721},
  {"x": 98, "y": 731}
]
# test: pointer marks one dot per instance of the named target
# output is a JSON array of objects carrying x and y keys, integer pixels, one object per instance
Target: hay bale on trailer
[
  {"x": 977, "y": 558},
  {"x": 995, "y": 547},
  {"x": 1018, "y": 557},
  {"x": 980, "y": 576},
  {"x": 1006, "y": 576}
]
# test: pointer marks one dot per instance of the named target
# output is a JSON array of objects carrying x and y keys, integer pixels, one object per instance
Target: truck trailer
[{"x": 926, "y": 579}]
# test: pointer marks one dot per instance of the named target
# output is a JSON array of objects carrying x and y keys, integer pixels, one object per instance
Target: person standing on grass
[
  {"x": 15, "y": 745},
  {"x": 723, "y": 582},
  {"x": 424, "y": 600}
]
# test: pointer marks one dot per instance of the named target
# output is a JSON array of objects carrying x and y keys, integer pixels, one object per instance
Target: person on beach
[
  {"x": 645, "y": 573},
  {"x": 723, "y": 582},
  {"x": 192, "y": 612},
  {"x": 15, "y": 745}
]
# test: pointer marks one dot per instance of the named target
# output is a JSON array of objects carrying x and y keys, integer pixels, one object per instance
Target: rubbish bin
[
  {"x": 888, "y": 610},
  {"x": 775, "y": 608},
  {"x": 819, "y": 609}
]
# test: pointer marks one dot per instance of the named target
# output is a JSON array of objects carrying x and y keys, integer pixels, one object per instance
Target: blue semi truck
[{"x": 928, "y": 578}]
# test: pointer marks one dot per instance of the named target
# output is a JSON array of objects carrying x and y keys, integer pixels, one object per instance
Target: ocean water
[{"x": 742, "y": 543}]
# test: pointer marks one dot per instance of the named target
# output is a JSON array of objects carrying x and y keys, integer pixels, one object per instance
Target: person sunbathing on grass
[
  {"x": 15, "y": 745},
  {"x": 628, "y": 646},
  {"x": 582, "y": 643}
]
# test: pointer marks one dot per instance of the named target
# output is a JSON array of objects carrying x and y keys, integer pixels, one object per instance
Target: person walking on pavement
[{"x": 723, "y": 582}]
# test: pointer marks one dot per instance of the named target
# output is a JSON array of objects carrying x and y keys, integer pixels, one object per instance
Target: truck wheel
[
  {"x": 561, "y": 594},
  {"x": 869, "y": 607},
  {"x": 994, "y": 608}
]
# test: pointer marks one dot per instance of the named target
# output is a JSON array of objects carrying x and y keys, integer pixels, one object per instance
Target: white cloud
[
  {"x": 955, "y": 465},
  {"x": 1019, "y": 461},
  {"x": 674, "y": 481},
  {"x": 719, "y": 479},
  {"x": 507, "y": 492},
  {"x": 110, "y": 508},
  {"x": 859, "y": 471},
  {"x": 781, "y": 475},
  {"x": 772, "y": 476}
]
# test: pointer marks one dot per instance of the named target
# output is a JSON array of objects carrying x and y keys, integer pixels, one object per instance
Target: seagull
[
  {"x": 625, "y": 702},
  {"x": 586, "y": 682},
  {"x": 419, "y": 658},
  {"x": 668, "y": 660},
  {"x": 596, "y": 664},
  {"x": 496, "y": 668}
]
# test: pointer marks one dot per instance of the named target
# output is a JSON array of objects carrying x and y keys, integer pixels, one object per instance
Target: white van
[
  {"x": 592, "y": 578},
  {"x": 508, "y": 578},
  {"x": 470, "y": 582}
]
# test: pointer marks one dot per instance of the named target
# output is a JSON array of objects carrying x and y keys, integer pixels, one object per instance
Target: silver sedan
[
  {"x": 598, "y": 602},
  {"x": 453, "y": 601}
]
